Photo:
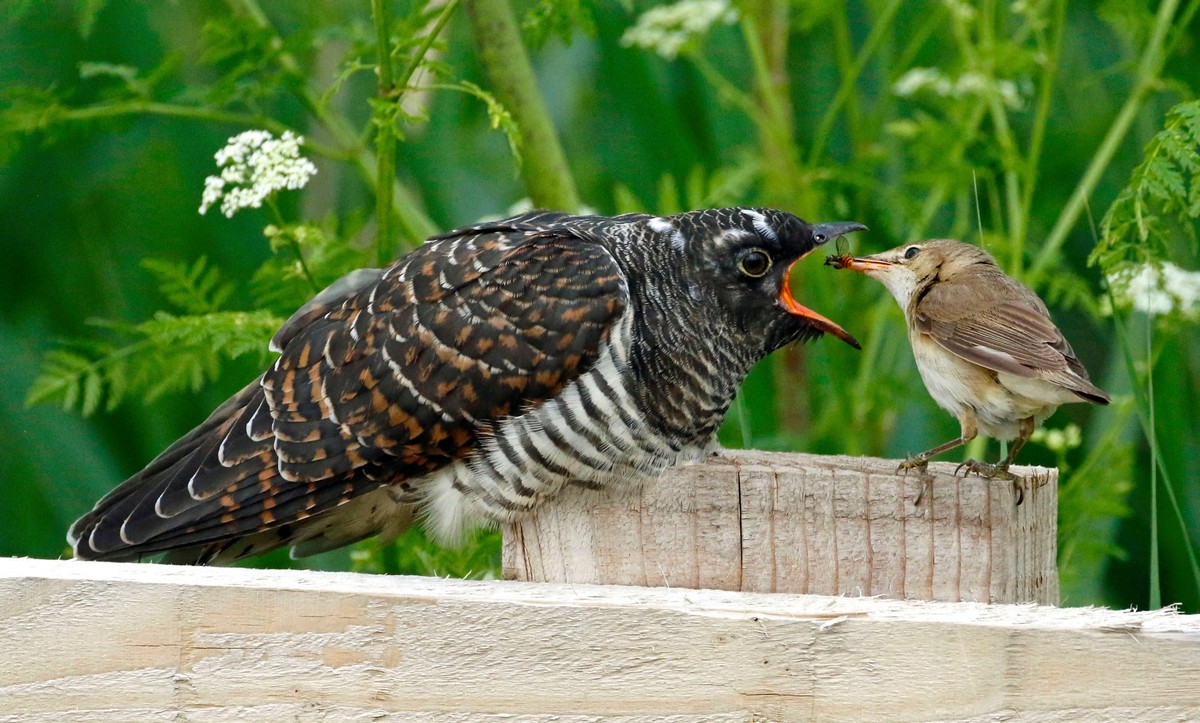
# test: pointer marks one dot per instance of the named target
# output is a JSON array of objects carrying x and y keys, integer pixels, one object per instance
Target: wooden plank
[
  {"x": 807, "y": 524},
  {"x": 106, "y": 641}
]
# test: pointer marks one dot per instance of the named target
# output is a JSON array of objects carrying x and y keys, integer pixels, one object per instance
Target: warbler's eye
[
  {"x": 755, "y": 263},
  {"x": 911, "y": 251}
]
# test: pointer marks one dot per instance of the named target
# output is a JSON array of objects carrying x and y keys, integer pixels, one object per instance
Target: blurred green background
[{"x": 923, "y": 118}]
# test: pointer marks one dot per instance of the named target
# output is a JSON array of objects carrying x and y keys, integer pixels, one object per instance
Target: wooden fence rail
[{"x": 123, "y": 642}]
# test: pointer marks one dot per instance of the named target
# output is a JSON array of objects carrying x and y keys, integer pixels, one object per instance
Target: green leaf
[
  {"x": 63, "y": 374},
  {"x": 126, "y": 74},
  {"x": 1162, "y": 196},
  {"x": 86, "y": 12},
  {"x": 625, "y": 201},
  {"x": 248, "y": 57},
  {"x": 166, "y": 354},
  {"x": 413, "y": 553},
  {"x": 498, "y": 115},
  {"x": 559, "y": 18},
  {"x": 197, "y": 289}
]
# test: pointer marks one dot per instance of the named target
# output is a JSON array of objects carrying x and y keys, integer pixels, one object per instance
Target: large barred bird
[{"x": 472, "y": 380}]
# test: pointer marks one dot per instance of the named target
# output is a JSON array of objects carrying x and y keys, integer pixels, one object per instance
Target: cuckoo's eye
[
  {"x": 911, "y": 251},
  {"x": 755, "y": 263}
]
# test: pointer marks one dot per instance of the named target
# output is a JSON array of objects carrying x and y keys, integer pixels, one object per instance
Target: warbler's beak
[
  {"x": 822, "y": 233},
  {"x": 865, "y": 263}
]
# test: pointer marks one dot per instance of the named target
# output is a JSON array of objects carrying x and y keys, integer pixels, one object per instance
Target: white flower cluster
[
  {"x": 962, "y": 10},
  {"x": 255, "y": 164},
  {"x": 1059, "y": 440},
  {"x": 967, "y": 84},
  {"x": 1157, "y": 289},
  {"x": 667, "y": 29}
]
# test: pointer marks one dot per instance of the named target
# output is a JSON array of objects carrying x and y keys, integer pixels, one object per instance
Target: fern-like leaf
[
  {"x": 498, "y": 115},
  {"x": 195, "y": 289},
  {"x": 165, "y": 354},
  {"x": 1162, "y": 197}
]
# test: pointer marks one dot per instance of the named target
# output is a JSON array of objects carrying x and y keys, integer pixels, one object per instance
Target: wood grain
[
  {"x": 90, "y": 642},
  {"x": 808, "y": 524}
]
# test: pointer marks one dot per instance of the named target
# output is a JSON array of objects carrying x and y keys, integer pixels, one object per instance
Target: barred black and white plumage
[{"x": 474, "y": 379}]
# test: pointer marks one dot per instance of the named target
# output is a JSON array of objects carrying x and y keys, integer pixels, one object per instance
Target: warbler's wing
[
  {"x": 992, "y": 321},
  {"x": 381, "y": 381}
]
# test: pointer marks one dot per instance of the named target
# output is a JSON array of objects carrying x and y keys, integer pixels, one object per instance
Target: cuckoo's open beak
[{"x": 822, "y": 233}]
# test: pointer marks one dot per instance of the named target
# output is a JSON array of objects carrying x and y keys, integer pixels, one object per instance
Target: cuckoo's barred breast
[{"x": 474, "y": 379}]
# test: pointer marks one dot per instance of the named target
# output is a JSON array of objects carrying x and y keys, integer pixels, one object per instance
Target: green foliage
[
  {"x": 166, "y": 354},
  {"x": 1091, "y": 496},
  {"x": 701, "y": 188},
  {"x": 1162, "y": 198},
  {"x": 557, "y": 18},
  {"x": 413, "y": 553},
  {"x": 248, "y": 57},
  {"x": 282, "y": 283},
  {"x": 497, "y": 115},
  {"x": 195, "y": 289}
]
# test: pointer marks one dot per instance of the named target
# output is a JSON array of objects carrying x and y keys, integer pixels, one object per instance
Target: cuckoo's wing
[
  {"x": 380, "y": 385},
  {"x": 1003, "y": 326}
]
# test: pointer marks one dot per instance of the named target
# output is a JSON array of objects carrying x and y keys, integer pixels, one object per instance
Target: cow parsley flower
[
  {"x": 668, "y": 29},
  {"x": 1059, "y": 440},
  {"x": 1158, "y": 289},
  {"x": 969, "y": 84},
  {"x": 255, "y": 164}
]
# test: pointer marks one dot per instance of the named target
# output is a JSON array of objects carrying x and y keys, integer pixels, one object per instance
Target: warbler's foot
[
  {"x": 985, "y": 469},
  {"x": 919, "y": 463},
  {"x": 992, "y": 471}
]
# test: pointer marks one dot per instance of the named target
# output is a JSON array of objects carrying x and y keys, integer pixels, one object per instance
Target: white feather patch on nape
[{"x": 760, "y": 224}]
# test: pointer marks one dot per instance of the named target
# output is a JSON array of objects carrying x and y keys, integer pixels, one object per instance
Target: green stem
[
  {"x": 1012, "y": 180},
  {"x": 1155, "y": 577},
  {"x": 172, "y": 110},
  {"x": 1182, "y": 29},
  {"x": 1040, "y": 117},
  {"x": 1151, "y": 64},
  {"x": 726, "y": 89},
  {"x": 785, "y": 180},
  {"x": 983, "y": 62},
  {"x": 933, "y": 201},
  {"x": 773, "y": 100},
  {"x": 418, "y": 57},
  {"x": 844, "y": 58},
  {"x": 871, "y": 364},
  {"x": 931, "y": 21},
  {"x": 385, "y": 134},
  {"x": 743, "y": 411},
  {"x": 879, "y": 29},
  {"x": 294, "y": 244},
  {"x": 386, "y": 138},
  {"x": 1145, "y": 417},
  {"x": 415, "y": 222},
  {"x": 498, "y": 45}
]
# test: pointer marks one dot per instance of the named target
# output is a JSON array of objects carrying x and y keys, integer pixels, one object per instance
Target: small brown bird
[{"x": 984, "y": 344}]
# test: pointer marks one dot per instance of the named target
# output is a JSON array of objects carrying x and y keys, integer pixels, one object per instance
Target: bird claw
[
  {"x": 920, "y": 464},
  {"x": 992, "y": 471},
  {"x": 985, "y": 469}
]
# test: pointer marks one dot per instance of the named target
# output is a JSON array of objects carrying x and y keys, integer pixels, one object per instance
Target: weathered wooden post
[{"x": 799, "y": 523}]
